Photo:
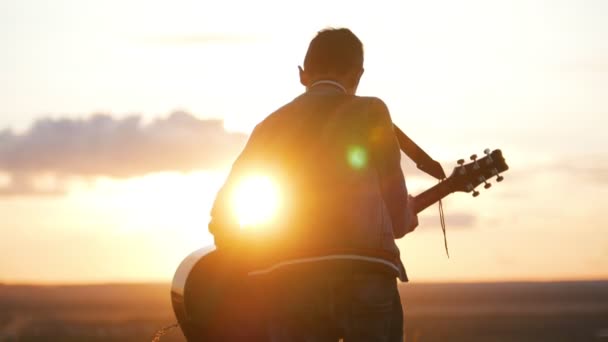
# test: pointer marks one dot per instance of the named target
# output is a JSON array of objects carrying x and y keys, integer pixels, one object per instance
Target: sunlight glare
[{"x": 256, "y": 200}]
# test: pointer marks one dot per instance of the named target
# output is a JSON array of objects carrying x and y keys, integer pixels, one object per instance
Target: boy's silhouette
[{"x": 329, "y": 262}]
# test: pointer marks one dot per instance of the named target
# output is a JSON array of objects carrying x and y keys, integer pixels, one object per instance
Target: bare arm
[{"x": 387, "y": 158}]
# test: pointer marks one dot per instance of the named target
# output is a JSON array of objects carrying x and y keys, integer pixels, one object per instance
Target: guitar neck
[{"x": 432, "y": 195}]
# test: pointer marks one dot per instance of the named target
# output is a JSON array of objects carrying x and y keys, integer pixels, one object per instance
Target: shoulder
[
  {"x": 376, "y": 107},
  {"x": 274, "y": 118},
  {"x": 375, "y": 102}
]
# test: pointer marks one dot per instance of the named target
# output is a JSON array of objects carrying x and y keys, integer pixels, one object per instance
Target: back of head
[{"x": 334, "y": 52}]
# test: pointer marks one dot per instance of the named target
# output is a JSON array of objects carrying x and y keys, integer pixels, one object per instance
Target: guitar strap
[{"x": 423, "y": 161}]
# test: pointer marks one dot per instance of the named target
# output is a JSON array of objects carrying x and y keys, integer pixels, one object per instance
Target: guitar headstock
[{"x": 466, "y": 177}]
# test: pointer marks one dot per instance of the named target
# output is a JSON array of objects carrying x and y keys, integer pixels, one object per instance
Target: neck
[
  {"x": 432, "y": 195},
  {"x": 331, "y": 83}
]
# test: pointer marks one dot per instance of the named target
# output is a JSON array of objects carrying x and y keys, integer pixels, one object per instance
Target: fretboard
[{"x": 432, "y": 195}]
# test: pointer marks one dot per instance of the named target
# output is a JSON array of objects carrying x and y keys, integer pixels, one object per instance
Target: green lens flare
[{"x": 357, "y": 157}]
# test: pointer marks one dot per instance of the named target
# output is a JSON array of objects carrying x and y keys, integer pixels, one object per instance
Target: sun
[{"x": 256, "y": 201}]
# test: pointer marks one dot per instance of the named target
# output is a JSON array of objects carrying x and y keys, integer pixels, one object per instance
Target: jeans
[{"x": 355, "y": 307}]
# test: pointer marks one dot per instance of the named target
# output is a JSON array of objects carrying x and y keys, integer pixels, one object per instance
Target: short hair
[{"x": 334, "y": 50}]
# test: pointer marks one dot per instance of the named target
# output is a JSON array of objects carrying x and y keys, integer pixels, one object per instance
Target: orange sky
[{"x": 76, "y": 206}]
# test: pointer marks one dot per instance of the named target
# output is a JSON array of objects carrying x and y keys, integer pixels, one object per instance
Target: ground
[{"x": 567, "y": 311}]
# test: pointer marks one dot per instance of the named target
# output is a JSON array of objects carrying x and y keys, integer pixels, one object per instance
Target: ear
[
  {"x": 358, "y": 77},
  {"x": 303, "y": 77},
  {"x": 356, "y": 80}
]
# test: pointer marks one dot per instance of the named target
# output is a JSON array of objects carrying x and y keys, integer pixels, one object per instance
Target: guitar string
[{"x": 442, "y": 220}]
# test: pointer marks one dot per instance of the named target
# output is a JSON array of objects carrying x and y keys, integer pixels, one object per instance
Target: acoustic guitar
[{"x": 213, "y": 300}]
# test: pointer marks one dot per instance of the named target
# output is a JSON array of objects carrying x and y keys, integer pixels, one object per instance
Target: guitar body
[{"x": 214, "y": 299}]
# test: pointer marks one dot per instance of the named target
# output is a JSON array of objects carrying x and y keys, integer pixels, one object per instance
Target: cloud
[
  {"x": 590, "y": 169},
  {"x": 556, "y": 174},
  {"x": 455, "y": 220},
  {"x": 101, "y": 145},
  {"x": 587, "y": 168},
  {"x": 20, "y": 185}
]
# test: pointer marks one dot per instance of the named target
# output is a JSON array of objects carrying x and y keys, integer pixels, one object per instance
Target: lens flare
[
  {"x": 357, "y": 157},
  {"x": 256, "y": 201}
]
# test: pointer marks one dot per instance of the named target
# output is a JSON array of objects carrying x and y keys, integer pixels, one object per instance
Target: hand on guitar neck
[
  {"x": 464, "y": 178},
  {"x": 412, "y": 215}
]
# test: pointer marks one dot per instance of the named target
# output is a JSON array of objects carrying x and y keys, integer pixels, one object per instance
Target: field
[{"x": 564, "y": 311}]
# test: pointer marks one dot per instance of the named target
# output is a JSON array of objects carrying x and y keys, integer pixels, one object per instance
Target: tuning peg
[
  {"x": 488, "y": 156},
  {"x": 500, "y": 178},
  {"x": 483, "y": 179},
  {"x": 475, "y": 193},
  {"x": 461, "y": 168},
  {"x": 474, "y": 158}
]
